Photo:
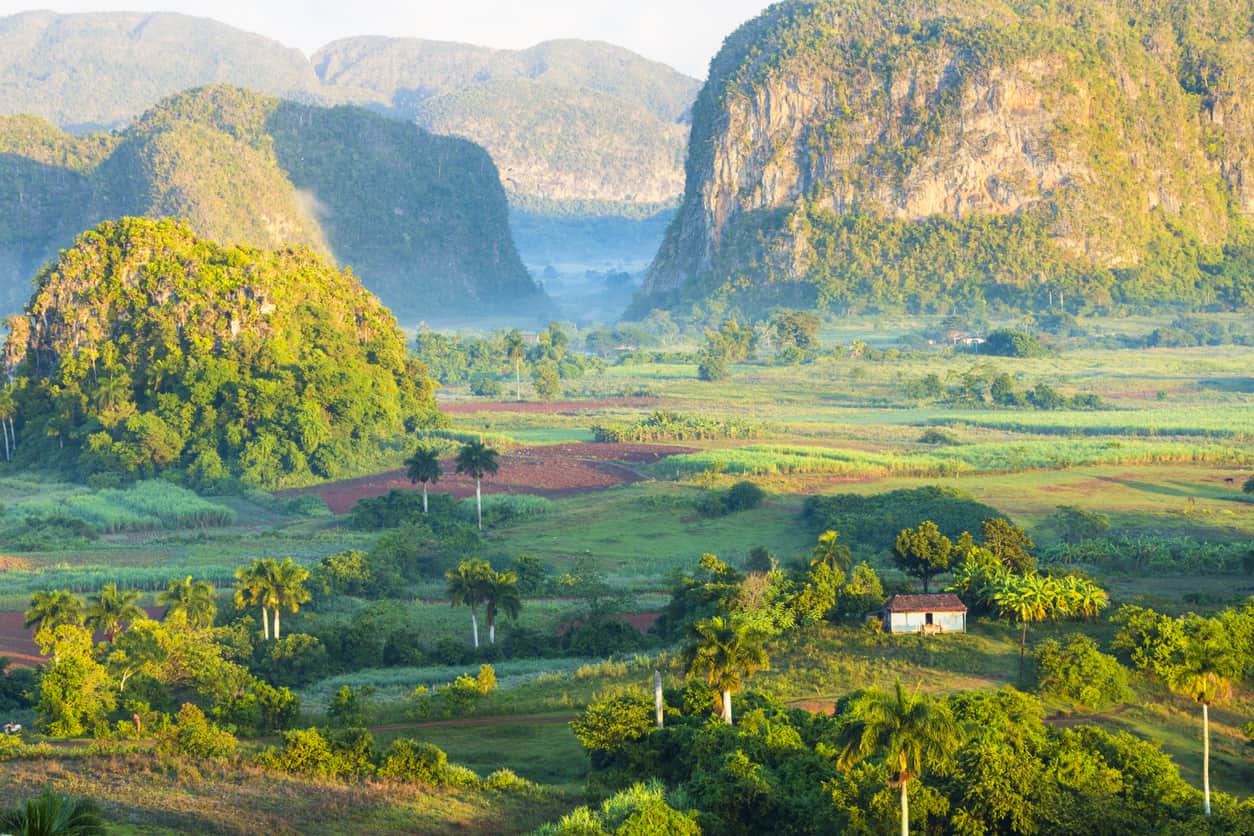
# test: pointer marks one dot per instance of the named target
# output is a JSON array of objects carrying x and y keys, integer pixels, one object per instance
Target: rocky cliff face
[{"x": 1099, "y": 136}]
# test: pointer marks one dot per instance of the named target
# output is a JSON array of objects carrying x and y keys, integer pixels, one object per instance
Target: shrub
[
  {"x": 1008, "y": 342},
  {"x": 411, "y": 760},
  {"x": 1079, "y": 672},
  {"x": 486, "y": 387},
  {"x": 872, "y": 521},
  {"x": 610, "y": 726},
  {"x": 742, "y": 496},
  {"x": 935, "y": 436},
  {"x": 1248, "y": 487},
  {"x": 305, "y": 752},
  {"x": 193, "y": 735}
]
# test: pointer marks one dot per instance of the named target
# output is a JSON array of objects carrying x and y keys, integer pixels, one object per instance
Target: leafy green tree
[
  {"x": 52, "y": 608},
  {"x": 476, "y": 459},
  {"x": 1078, "y": 671},
  {"x": 547, "y": 380},
  {"x": 610, "y": 725},
  {"x": 1009, "y": 544},
  {"x": 923, "y": 552},
  {"x": 500, "y": 596},
  {"x": 74, "y": 693},
  {"x": 1075, "y": 525},
  {"x": 111, "y": 609},
  {"x": 725, "y": 654},
  {"x": 192, "y": 734},
  {"x": 1204, "y": 675},
  {"x": 910, "y": 730},
  {"x": 53, "y": 814},
  {"x": 423, "y": 466},
  {"x": 196, "y": 602},
  {"x": 1151, "y": 641},
  {"x": 137, "y": 650},
  {"x": 468, "y": 586}
]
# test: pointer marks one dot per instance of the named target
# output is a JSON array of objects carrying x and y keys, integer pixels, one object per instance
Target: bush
[
  {"x": 486, "y": 387},
  {"x": 872, "y": 521},
  {"x": 742, "y": 496},
  {"x": 193, "y": 735},
  {"x": 1079, "y": 672},
  {"x": 411, "y": 760},
  {"x": 935, "y": 436},
  {"x": 1008, "y": 342}
]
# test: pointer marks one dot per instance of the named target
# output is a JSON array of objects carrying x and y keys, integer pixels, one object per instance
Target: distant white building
[{"x": 938, "y": 612}]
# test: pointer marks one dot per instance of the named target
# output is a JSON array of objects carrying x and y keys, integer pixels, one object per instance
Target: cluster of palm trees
[
  {"x": 273, "y": 586},
  {"x": 112, "y": 610},
  {"x": 475, "y": 583},
  {"x": 1028, "y": 598},
  {"x": 475, "y": 459}
]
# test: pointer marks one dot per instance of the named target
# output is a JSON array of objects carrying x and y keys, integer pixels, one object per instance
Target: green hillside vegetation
[
  {"x": 1020, "y": 154},
  {"x": 147, "y": 351},
  {"x": 423, "y": 219}
]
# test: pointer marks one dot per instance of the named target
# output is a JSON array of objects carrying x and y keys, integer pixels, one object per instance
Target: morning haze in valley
[{"x": 822, "y": 417}]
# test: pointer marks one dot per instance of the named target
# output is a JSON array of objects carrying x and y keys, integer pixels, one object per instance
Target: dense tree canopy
[{"x": 146, "y": 350}]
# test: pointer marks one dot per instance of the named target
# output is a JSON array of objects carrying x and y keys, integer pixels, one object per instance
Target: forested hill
[
  {"x": 422, "y": 219},
  {"x": 566, "y": 121},
  {"x": 909, "y": 153},
  {"x": 146, "y": 350},
  {"x": 575, "y": 127}
]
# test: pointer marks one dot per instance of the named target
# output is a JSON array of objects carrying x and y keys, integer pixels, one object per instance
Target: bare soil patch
[
  {"x": 18, "y": 642},
  {"x": 552, "y": 471}
]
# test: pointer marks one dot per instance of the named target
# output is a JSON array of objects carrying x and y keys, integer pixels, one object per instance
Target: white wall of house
[{"x": 913, "y": 622}]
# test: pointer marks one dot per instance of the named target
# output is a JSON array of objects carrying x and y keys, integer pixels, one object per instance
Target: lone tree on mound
[
  {"x": 423, "y": 466},
  {"x": 909, "y": 729},
  {"x": 477, "y": 460}
]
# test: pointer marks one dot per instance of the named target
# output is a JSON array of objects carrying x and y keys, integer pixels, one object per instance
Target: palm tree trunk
[
  {"x": 479, "y": 507},
  {"x": 491, "y": 631},
  {"x": 474, "y": 626},
  {"x": 518, "y": 378},
  {"x": 424, "y": 497},
  {"x": 905, "y": 811},
  {"x": 265, "y": 622},
  {"x": 5, "y": 427},
  {"x": 1206, "y": 756},
  {"x": 727, "y": 712},
  {"x": 1023, "y": 645},
  {"x": 276, "y": 623},
  {"x": 657, "y": 696}
]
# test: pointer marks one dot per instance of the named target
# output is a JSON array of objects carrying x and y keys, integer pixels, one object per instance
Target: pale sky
[{"x": 682, "y": 33}]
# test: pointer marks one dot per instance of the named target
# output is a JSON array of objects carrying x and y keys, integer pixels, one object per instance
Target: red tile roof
[{"x": 932, "y": 602}]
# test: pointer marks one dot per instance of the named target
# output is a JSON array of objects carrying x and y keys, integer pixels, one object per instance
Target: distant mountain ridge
[
  {"x": 860, "y": 154},
  {"x": 575, "y": 127},
  {"x": 422, "y": 219}
]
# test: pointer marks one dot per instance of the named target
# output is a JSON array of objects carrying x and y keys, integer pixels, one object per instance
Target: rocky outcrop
[{"x": 1096, "y": 136}]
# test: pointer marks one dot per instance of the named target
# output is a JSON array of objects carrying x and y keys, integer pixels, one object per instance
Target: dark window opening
[{"x": 929, "y": 618}]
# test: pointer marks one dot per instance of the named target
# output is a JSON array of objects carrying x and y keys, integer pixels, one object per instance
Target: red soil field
[{"x": 551, "y": 471}]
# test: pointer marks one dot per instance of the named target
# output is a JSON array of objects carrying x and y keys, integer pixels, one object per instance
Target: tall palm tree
[
  {"x": 53, "y": 814},
  {"x": 255, "y": 587},
  {"x": 289, "y": 588},
  {"x": 515, "y": 351},
  {"x": 52, "y": 608},
  {"x": 1204, "y": 676},
  {"x": 725, "y": 654},
  {"x": 423, "y": 466},
  {"x": 500, "y": 596},
  {"x": 111, "y": 609},
  {"x": 467, "y": 586},
  {"x": 194, "y": 601},
  {"x": 909, "y": 729},
  {"x": 1026, "y": 598},
  {"x": 477, "y": 460}
]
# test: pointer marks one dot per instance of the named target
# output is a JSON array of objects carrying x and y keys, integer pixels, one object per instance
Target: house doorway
[{"x": 927, "y": 619}]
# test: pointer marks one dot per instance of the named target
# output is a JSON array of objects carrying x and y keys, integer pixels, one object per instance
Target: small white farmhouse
[{"x": 938, "y": 612}]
